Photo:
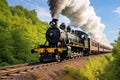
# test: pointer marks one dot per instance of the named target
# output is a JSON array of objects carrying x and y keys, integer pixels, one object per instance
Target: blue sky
[{"x": 108, "y": 10}]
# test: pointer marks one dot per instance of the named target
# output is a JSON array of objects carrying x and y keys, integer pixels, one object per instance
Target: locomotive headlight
[{"x": 53, "y": 35}]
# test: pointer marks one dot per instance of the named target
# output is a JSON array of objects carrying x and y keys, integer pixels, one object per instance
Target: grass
[{"x": 94, "y": 69}]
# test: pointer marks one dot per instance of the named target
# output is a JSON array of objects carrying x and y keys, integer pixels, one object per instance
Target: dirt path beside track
[{"x": 53, "y": 72}]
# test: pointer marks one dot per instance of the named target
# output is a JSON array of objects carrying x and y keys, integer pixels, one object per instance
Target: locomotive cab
[{"x": 84, "y": 40}]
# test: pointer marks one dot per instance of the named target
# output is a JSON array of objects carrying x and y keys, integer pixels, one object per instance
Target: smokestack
[
  {"x": 54, "y": 23},
  {"x": 81, "y": 14}
]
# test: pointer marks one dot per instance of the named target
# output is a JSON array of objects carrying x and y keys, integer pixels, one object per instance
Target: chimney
[{"x": 55, "y": 22}]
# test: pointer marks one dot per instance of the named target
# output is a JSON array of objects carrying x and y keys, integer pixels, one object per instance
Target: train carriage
[
  {"x": 101, "y": 48},
  {"x": 93, "y": 46}
]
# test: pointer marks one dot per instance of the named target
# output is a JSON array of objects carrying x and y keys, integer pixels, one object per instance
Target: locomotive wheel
[
  {"x": 86, "y": 53},
  {"x": 41, "y": 60},
  {"x": 64, "y": 55},
  {"x": 58, "y": 58},
  {"x": 82, "y": 54}
]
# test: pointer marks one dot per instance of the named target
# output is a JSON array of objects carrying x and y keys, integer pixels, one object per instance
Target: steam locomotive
[{"x": 65, "y": 43}]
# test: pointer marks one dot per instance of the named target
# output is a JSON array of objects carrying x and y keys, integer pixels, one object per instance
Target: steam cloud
[{"x": 81, "y": 14}]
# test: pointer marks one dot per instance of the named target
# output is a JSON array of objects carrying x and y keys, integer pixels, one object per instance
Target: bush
[{"x": 73, "y": 74}]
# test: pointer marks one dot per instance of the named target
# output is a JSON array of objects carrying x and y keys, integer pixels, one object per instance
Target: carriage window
[
  {"x": 92, "y": 43},
  {"x": 95, "y": 44},
  {"x": 101, "y": 47},
  {"x": 82, "y": 36}
]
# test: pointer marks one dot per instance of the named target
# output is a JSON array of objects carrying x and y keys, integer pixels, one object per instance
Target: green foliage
[
  {"x": 73, "y": 74},
  {"x": 116, "y": 49},
  {"x": 95, "y": 69},
  {"x": 3, "y": 5},
  {"x": 20, "y": 31},
  {"x": 113, "y": 68}
]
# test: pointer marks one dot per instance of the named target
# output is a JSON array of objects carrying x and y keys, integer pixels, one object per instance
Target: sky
[{"x": 107, "y": 10}]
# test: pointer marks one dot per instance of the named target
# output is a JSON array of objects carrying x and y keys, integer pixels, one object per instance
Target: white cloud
[
  {"x": 43, "y": 14},
  {"x": 63, "y": 19},
  {"x": 114, "y": 31},
  {"x": 117, "y": 10}
]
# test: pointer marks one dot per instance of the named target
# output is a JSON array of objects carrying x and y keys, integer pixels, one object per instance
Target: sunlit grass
[{"x": 93, "y": 70}]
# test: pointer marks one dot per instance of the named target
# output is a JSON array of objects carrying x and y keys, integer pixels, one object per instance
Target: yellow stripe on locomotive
[{"x": 49, "y": 50}]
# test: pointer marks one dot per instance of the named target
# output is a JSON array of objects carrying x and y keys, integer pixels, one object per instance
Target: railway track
[{"x": 8, "y": 72}]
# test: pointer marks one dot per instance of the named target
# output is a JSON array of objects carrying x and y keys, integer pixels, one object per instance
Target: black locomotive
[{"x": 65, "y": 43}]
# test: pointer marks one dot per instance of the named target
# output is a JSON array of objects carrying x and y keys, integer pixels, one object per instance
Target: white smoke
[{"x": 81, "y": 14}]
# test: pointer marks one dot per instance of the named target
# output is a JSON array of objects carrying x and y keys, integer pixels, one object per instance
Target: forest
[{"x": 20, "y": 31}]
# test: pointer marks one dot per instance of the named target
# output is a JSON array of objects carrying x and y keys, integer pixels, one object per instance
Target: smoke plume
[{"x": 81, "y": 14}]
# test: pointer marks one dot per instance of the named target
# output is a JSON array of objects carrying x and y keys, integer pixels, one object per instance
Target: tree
[{"x": 20, "y": 31}]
